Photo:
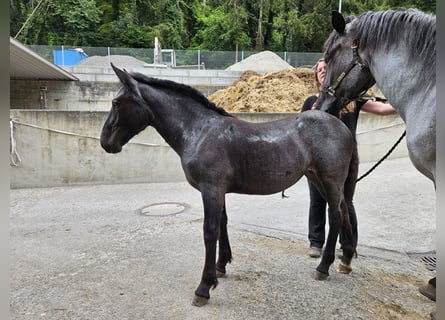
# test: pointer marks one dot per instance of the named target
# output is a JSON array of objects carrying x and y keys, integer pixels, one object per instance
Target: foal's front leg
[{"x": 213, "y": 208}]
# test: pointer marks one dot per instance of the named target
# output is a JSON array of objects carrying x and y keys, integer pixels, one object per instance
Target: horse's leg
[
  {"x": 349, "y": 231},
  {"x": 336, "y": 209},
  {"x": 225, "y": 253},
  {"x": 213, "y": 208},
  {"x": 348, "y": 239}
]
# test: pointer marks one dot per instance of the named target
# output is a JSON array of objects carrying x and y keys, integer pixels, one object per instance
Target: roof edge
[{"x": 15, "y": 43}]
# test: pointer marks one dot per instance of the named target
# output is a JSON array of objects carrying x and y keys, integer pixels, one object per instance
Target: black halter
[{"x": 356, "y": 60}]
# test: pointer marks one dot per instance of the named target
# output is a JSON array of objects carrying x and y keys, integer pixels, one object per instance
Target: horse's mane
[
  {"x": 180, "y": 88},
  {"x": 385, "y": 29}
]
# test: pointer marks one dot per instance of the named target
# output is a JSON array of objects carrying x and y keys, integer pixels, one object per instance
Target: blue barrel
[{"x": 68, "y": 57}]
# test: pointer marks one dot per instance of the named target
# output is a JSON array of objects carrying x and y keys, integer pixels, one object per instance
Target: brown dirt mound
[{"x": 279, "y": 91}]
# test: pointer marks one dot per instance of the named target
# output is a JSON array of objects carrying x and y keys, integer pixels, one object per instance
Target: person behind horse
[{"x": 349, "y": 115}]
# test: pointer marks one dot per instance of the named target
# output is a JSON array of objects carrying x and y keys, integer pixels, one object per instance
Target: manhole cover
[
  {"x": 163, "y": 209},
  {"x": 428, "y": 259}
]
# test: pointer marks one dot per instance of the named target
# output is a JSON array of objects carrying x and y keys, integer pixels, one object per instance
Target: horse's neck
[{"x": 398, "y": 81}]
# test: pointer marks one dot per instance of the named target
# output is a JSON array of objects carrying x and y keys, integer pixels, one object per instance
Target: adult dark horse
[
  {"x": 221, "y": 154},
  {"x": 397, "y": 51}
]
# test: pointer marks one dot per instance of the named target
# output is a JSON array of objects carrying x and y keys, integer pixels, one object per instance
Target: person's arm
[
  {"x": 308, "y": 103},
  {"x": 378, "y": 108}
]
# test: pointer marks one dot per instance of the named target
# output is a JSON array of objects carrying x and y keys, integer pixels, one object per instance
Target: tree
[
  {"x": 216, "y": 31},
  {"x": 63, "y": 22},
  {"x": 286, "y": 25},
  {"x": 237, "y": 17},
  {"x": 259, "y": 40},
  {"x": 18, "y": 14},
  {"x": 424, "y": 5}
]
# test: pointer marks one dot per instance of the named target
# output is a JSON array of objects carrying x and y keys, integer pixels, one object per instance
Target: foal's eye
[{"x": 115, "y": 103}]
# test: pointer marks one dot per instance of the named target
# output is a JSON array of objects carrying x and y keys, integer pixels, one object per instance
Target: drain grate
[
  {"x": 163, "y": 209},
  {"x": 428, "y": 259}
]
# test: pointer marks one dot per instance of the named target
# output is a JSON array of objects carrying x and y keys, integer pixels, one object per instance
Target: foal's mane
[{"x": 181, "y": 89}]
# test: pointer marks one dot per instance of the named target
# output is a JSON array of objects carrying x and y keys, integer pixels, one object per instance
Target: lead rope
[
  {"x": 15, "y": 157},
  {"x": 383, "y": 158}
]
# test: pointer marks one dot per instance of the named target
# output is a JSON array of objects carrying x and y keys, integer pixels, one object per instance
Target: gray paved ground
[{"x": 89, "y": 253}]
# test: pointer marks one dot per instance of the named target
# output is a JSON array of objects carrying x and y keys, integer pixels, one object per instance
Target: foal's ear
[
  {"x": 126, "y": 79},
  {"x": 338, "y": 22}
]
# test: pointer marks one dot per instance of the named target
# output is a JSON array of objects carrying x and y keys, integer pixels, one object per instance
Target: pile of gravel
[
  {"x": 261, "y": 62},
  {"x": 121, "y": 61}
]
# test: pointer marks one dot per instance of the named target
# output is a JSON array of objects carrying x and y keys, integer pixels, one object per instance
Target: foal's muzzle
[
  {"x": 108, "y": 140},
  {"x": 110, "y": 147}
]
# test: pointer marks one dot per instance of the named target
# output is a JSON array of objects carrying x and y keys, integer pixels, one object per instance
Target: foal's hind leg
[
  {"x": 348, "y": 239},
  {"x": 337, "y": 207},
  {"x": 213, "y": 207},
  {"x": 349, "y": 232},
  {"x": 225, "y": 253}
]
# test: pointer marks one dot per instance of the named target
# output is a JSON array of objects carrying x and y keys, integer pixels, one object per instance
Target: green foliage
[
  {"x": 424, "y": 5},
  {"x": 62, "y": 21},
  {"x": 284, "y": 25},
  {"x": 216, "y": 30}
]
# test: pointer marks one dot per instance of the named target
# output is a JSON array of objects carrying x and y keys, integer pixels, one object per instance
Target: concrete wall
[
  {"x": 216, "y": 78},
  {"x": 97, "y": 86},
  {"x": 62, "y": 148},
  {"x": 61, "y": 95},
  {"x": 377, "y": 134}
]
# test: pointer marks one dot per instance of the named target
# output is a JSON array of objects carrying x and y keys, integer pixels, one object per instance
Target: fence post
[
  {"x": 236, "y": 53},
  {"x": 199, "y": 58}
]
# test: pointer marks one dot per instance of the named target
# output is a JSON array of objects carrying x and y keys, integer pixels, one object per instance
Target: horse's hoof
[
  {"x": 344, "y": 268},
  {"x": 320, "y": 275},
  {"x": 220, "y": 274},
  {"x": 199, "y": 301}
]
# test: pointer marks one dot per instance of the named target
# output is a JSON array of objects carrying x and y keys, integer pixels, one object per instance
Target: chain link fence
[{"x": 199, "y": 59}]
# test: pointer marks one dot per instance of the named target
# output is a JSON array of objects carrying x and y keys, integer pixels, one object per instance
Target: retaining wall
[
  {"x": 60, "y": 148},
  {"x": 97, "y": 86}
]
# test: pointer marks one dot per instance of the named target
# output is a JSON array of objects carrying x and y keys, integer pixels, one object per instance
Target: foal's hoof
[
  {"x": 199, "y": 301},
  {"x": 320, "y": 275},
  {"x": 220, "y": 274},
  {"x": 344, "y": 268}
]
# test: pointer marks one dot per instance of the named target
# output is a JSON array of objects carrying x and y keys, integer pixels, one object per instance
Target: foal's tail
[
  {"x": 351, "y": 180},
  {"x": 349, "y": 190}
]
